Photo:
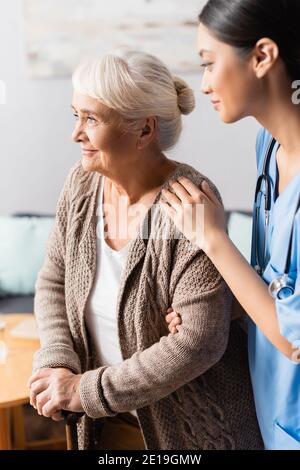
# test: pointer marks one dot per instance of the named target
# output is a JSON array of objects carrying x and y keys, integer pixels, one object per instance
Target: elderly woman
[{"x": 110, "y": 274}]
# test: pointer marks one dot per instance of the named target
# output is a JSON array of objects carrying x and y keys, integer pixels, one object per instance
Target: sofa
[
  {"x": 239, "y": 227},
  {"x": 16, "y": 304},
  {"x": 23, "y": 239}
]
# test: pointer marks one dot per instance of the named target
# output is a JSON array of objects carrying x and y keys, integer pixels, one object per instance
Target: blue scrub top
[{"x": 275, "y": 378}]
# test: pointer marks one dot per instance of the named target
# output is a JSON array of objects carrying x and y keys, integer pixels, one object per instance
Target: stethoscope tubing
[{"x": 267, "y": 195}]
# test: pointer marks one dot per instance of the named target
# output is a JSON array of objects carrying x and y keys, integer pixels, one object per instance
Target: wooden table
[{"x": 15, "y": 371}]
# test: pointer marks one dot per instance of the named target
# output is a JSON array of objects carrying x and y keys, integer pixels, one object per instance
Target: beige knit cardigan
[{"x": 187, "y": 392}]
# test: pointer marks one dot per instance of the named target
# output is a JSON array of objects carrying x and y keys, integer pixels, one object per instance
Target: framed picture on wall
[{"x": 61, "y": 33}]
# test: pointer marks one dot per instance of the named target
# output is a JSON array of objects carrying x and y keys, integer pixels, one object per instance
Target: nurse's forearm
[{"x": 249, "y": 289}]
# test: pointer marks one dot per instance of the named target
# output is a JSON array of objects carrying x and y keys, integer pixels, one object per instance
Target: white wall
[{"x": 36, "y": 123}]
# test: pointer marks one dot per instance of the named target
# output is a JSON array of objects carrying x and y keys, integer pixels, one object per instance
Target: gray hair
[{"x": 137, "y": 85}]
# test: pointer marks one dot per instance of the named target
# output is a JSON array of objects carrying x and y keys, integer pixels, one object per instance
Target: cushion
[
  {"x": 240, "y": 232},
  {"x": 22, "y": 251}
]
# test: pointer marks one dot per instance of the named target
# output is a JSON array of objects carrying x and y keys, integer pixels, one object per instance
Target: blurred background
[{"x": 42, "y": 40}]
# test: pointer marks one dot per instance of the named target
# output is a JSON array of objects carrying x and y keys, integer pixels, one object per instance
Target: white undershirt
[
  {"x": 101, "y": 315},
  {"x": 101, "y": 309}
]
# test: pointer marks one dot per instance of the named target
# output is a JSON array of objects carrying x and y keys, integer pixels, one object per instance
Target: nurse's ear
[{"x": 265, "y": 56}]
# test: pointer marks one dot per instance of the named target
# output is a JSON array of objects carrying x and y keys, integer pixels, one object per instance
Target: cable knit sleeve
[
  {"x": 49, "y": 304},
  {"x": 204, "y": 302}
]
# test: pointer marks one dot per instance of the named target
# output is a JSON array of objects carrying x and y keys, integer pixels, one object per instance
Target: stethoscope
[{"x": 282, "y": 286}]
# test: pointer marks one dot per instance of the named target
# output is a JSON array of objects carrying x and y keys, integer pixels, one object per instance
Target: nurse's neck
[{"x": 279, "y": 113}]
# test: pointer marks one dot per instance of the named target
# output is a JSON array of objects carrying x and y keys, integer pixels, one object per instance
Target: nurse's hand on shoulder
[
  {"x": 197, "y": 213},
  {"x": 53, "y": 390}
]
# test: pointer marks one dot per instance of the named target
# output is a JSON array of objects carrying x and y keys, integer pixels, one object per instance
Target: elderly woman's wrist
[
  {"x": 90, "y": 393},
  {"x": 55, "y": 356}
]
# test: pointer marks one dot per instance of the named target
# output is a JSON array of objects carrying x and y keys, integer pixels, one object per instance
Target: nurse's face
[{"x": 228, "y": 79}]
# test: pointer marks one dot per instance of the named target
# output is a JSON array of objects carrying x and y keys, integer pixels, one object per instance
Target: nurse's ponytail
[{"x": 241, "y": 23}]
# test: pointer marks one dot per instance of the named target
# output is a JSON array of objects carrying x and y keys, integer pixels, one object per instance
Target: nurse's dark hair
[{"x": 241, "y": 23}]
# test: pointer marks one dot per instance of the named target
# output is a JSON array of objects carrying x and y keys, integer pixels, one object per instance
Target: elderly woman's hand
[
  {"x": 53, "y": 390},
  {"x": 174, "y": 320}
]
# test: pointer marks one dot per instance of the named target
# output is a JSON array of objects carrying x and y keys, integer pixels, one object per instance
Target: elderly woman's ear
[{"x": 147, "y": 133}]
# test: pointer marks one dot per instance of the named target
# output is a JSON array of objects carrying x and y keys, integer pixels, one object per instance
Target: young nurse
[{"x": 250, "y": 51}]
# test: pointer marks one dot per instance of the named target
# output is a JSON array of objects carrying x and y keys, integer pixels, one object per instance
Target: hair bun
[{"x": 185, "y": 96}]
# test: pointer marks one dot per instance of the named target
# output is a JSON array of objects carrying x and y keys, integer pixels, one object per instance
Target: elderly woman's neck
[{"x": 143, "y": 175}]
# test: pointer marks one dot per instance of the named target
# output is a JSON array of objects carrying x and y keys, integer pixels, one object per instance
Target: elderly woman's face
[{"x": 104, "y": 146}]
